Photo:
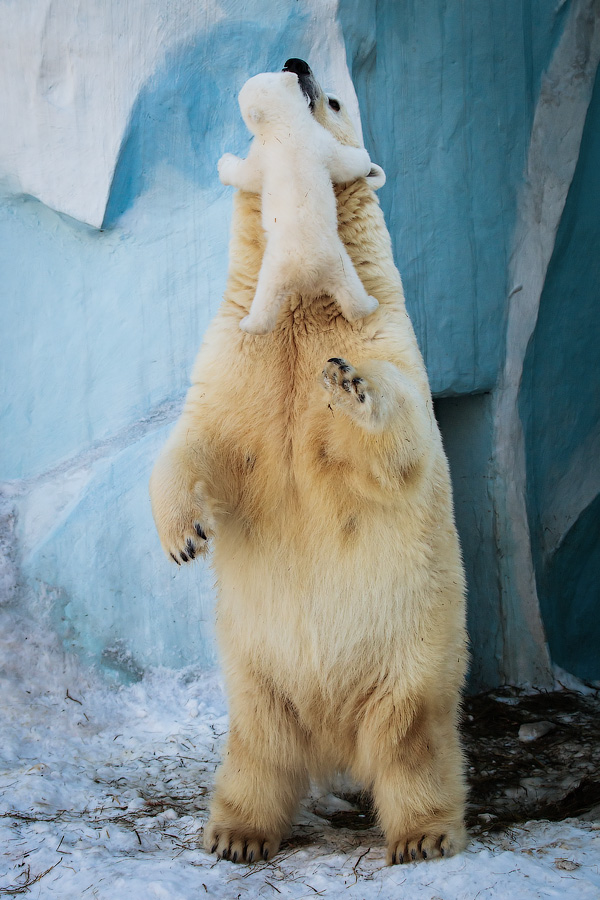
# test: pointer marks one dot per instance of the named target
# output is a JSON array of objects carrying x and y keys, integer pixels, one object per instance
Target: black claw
[
  {"x": 214, "y": 846},
  {"x": 190, "y": 548},
  {"x": 225, "y": 853},
  {"x": 234, "y": 857},
  {"x": 251, "y": 856},
  {"x": 174, "y": 558},
  {"x": 400, "y": 858},
  {"x": 361, "y": 398},
  {"x": 265, "y": 853},
  {"x": 346, "y": 384},
  {"x": 183, "y": 556},
  {"x": 337, "y": 361},
  {"x": 424, "y": 854},
  {"x": 413, "y": 854},
  {"x": 200, "y": 531}
]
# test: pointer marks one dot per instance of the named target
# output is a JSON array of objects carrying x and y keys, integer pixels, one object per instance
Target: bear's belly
[{"x": 310, "y": 607}]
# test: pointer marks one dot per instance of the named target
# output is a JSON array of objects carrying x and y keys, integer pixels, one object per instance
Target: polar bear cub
[{"x": 292, "y": 162}]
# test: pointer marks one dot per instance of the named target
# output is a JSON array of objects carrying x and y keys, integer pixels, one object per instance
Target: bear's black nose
[{"x": 298, "y": 66}]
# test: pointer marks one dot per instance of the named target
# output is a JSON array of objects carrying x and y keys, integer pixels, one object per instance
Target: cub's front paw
[
  {"x": 227, "y": 167},
  {"x": 347, "y": 388},
  {"x": 239, "y": 843}
]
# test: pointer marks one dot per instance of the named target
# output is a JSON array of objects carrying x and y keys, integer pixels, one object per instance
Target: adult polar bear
[{"x": 325, "y": 488}]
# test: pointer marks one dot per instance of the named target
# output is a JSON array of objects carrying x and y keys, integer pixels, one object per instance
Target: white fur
[{"x": 293, "y": 161}]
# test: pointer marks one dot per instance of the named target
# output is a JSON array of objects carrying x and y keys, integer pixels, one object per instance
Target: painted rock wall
[{"x": 113, "y": 250}]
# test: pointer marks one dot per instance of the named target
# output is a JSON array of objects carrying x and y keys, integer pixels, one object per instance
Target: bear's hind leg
[
  {"x": 261, "y": 779},
  {"x": 414, "y": 764}
]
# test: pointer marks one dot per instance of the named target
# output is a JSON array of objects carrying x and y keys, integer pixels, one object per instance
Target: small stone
[
  {"x": 531, "y": 731},
  {"x": 567, "y": 865}
]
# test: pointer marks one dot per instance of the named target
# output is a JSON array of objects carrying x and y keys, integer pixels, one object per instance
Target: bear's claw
[
  {"x": 425, "y": 846},
  {"x": 239, "y": 847},
  {"x": 338, "y": 373}
]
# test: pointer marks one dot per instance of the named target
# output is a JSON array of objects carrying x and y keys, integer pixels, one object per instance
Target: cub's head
[
  {"x": 270, "y": 99},
  {"x": 330, "y": 112}
]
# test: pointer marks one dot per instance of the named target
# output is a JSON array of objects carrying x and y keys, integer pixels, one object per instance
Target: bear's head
[
  {"x": 271, "y": 99},
  {"x": 331, "y": 113}
]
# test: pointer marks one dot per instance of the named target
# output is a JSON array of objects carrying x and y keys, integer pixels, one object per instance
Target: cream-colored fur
[
  {"x": 292, "y": 163},
  {"x": 324, "y": 488}
]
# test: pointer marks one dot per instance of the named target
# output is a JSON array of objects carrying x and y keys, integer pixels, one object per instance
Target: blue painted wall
[{"x": 447, "y": 93}]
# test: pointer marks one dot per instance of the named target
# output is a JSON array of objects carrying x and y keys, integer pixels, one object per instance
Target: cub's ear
[
  {"x": 255, "y": 114},
  {"x": 376, "y": 177}
]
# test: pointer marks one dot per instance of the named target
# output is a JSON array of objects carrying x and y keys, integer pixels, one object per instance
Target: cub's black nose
[{"x": 298, "y": 66}]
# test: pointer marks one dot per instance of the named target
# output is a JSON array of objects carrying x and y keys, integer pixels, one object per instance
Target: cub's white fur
[
  {"x": 311, "y": 459},
  {"x": 292, "y": 163}
]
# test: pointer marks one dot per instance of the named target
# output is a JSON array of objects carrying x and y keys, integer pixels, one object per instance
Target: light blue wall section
[
  {"x": 186, "y": 116},
  {"x": 560, "y": 407},
  {"x": 117, "y": 600},
  {"x": 100, "y": 328}
]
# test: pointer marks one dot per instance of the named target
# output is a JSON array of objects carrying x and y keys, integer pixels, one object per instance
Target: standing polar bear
[
  {"x": 292, "y": 163},
  {"x": 311, "y": 459}
]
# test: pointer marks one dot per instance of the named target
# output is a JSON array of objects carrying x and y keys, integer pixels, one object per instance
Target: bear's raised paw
[
  {"x": 189, "y": 547},
  {"x": 348, "y": 389},
  {"x": 180, "y": 513}
]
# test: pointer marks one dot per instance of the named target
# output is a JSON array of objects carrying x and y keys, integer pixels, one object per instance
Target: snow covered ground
[{"x": 104, "y": 791}]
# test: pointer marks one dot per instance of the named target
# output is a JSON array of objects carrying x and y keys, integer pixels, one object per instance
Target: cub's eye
[{"x": 334, "y": 104}]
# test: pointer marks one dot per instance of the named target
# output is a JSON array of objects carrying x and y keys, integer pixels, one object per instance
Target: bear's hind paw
[
  {"x": 426, "y": 846},
  {"x": 239, "y": 845}
]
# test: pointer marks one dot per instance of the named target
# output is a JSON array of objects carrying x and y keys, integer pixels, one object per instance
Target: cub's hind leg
[
  {"x": 345, "y": 286},
  {"x": 262, "y": 776},
  {"x": 271, "y": 292}
]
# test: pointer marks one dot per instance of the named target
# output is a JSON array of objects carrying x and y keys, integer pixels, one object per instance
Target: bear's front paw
[
  {"x": 188, "y": 544},
  {"x": 239, "y": 843},
  {"x": 181, "y": 517},
  {"x": 347, "y": 388}
]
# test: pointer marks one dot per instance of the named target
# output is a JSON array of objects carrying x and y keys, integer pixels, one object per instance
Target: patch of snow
[{"x": 104, "y": 790}]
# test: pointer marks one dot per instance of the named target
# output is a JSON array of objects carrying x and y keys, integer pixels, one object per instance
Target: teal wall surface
[{"x": 560, "y": 407}]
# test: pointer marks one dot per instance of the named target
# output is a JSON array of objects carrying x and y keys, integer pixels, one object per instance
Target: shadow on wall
[{"x": 180, "y": 114}]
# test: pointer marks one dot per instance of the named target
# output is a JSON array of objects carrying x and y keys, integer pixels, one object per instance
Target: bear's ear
[{"x": 376, "y": 177}]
